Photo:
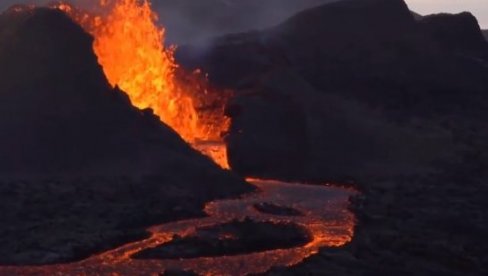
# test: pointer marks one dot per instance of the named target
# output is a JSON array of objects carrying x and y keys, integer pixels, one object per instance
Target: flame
[{"x": 130, "y": 46}]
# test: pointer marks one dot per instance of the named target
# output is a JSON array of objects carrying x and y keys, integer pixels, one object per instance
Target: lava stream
[
  {"x": 130, "y": 47},
  {"x": 325, "y": 216}
]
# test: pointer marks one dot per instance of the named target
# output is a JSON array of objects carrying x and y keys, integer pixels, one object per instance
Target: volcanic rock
[
  {"x": 272, "y": 149},
  {"x": 366, "y": 76},
  {"x": 81, "y": 169},
  {"x": 459, "y": 33}
]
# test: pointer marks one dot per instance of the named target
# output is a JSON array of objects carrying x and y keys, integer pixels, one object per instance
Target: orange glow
[
  {"x": 326, "y": 217},
  {"x": 130, "y": 46}
]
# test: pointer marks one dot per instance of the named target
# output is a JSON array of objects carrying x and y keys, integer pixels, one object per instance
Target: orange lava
[
  {"x": 326, "y": 217},
  {"x": 130, "y": 46}
]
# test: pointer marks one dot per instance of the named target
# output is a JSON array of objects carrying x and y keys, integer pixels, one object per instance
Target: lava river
[
  {"x": 325, "y": 216},
  {"x": 130, "y": 47}
]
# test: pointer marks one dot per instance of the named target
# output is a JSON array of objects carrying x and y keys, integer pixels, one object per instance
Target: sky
[{"x": 478, "y": 7}]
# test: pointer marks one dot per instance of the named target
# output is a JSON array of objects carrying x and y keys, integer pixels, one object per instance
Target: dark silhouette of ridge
[
  {"x": 370, "y": 51},
  {"x": 457, "y": 32}
]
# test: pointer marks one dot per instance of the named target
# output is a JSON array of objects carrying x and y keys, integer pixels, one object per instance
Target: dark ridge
[
  {"x": 485, "y": 34},
  {"x": 417, "y": 16},
  {"x": 81, "y": 169},
  {"x": 456, "y": 32},
  {"x": 327, "y": 92},
  {"x": 352, "y": 18}
]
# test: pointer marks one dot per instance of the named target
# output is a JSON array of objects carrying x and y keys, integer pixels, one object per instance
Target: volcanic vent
[{"x": 131, "y": 49}]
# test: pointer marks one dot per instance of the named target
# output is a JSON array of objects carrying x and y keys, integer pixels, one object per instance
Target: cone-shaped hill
[{"x": 76, "y": 159}]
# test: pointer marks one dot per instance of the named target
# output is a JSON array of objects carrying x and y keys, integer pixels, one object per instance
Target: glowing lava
[
  {"x": 130, "y": 46},
  {"x": 326, "y": 217}
]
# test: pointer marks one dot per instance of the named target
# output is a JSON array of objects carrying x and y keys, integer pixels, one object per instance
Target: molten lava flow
[
  {"x": 325, "y": 216},
  {"x": 130, "y": 47}
]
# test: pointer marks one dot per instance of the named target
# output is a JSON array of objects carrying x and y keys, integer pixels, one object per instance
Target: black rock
[
  {"x": 270, "y": 130},
  {"x": 459, "y": 33}
]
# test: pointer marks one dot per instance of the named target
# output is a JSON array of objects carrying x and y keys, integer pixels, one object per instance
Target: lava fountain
[{"x": 130, "y": 47}]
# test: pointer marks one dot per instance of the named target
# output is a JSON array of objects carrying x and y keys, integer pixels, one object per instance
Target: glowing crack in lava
[
  {"x": 325, "y": 216},
  {"x": 130, "y": 46}
]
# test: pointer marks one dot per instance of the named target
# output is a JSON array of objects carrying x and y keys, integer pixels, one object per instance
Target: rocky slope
[
  {"x": 360, "y": 91},
  {"x": 81, "y": 169}
]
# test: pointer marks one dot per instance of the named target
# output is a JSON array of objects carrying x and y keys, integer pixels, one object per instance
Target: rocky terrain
[
  {"x": 81, "y": 170},
  {"x": 394, "y": 104},
  {"x": 485, "y": 33}
]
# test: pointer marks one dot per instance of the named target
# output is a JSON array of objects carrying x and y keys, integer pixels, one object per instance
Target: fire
[{"x": 130, "y": 46}]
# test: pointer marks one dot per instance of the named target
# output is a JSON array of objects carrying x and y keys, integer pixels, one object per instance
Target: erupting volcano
[
  {"x": 130, "y": 46},
  {"x": 121, "y": 154}
]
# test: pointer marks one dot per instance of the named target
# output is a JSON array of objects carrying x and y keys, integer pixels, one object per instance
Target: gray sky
[{"x": 478, "y": 7}]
